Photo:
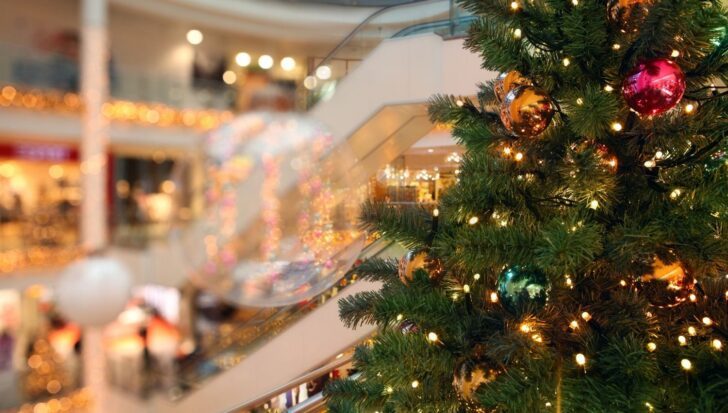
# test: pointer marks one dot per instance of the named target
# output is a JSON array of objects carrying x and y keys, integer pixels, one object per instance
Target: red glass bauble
[{"x": 654, "y": 86}]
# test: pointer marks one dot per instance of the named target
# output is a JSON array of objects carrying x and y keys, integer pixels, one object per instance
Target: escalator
[
  {"x": 378, "y": 119},
  {"x": 267, "y": 359}
]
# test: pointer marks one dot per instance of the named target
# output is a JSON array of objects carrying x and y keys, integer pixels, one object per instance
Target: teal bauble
[{"x": 523, "y": 288}]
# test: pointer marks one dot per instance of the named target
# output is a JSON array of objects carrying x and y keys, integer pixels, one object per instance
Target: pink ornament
[{"x": 654, "y": 86}]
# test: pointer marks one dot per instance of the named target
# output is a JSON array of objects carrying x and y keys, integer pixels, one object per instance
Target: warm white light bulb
[
  {"x": 323, "y": 72},
  {"x": 586, "y": 316},
  {"x": 580, "y": 359},
  {"x": 195, "y": 37},
  {"x": 310, "y": 82},
  {"x": 692, "y": 331},
  {"x": 415, "y": 384},
  {"x": 466, "y": 289},
  {"x": 243, "y": 59},
  {"x": 686, "y": 364},
  {"x": 265, "y": 62},
  {"x": 682, "y": 340},
  {"x": 229, "y": 77},
  {"x": 473, "y": 220},
  {"x": 717, "y": 344},
  {"x": 517, "y": 33},
  {"x": 566, "y": 62},
  {"x": 651, "y": 347},
  {"x": 432, "y": 337},
  {"x": 616, "y": 126},
  {"x": 288, "y": 63}
]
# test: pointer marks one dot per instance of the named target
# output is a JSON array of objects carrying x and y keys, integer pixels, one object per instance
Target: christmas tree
[{"x": 579, "y": 265}]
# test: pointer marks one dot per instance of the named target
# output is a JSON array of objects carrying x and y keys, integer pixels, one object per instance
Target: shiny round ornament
[
  {"x": 505, "y": 82},
  {"x": 526, "y": 111},
  {"x": 654, "y": 86},
  {"x": 415, "y": 260},
  {"x": 93, "y": 291},
  {"x": 408, "y": 327},
  {"x": 523, "y": 287},
  {"x": 668, "y": 285},
  {"x": 467, "y": 381},
  {"x": 628, "y": 15}
]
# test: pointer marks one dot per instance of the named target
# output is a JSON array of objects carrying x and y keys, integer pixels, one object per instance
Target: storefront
[{"x": 40, "y": 198}]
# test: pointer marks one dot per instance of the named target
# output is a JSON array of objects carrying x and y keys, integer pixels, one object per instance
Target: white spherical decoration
[{"x": 93, "y": 291}]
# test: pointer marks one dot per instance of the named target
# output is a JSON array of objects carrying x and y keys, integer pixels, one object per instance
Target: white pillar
[
  {"x": 95, "y": 134},
  {"x": 94, "y": 144}
]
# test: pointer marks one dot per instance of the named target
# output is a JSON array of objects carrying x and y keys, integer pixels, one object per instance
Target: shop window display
[
  {"x": 39, "y": 205},
  {"x": 150, "y": 195},
  {"x": 416, "y": 178}
]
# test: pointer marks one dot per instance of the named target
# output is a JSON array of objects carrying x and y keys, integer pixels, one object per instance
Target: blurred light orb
[
  {"x": 310, "y": 82},
  {"x": 93, "y": 291},
  {"x": 195, "y": 37},
  {"x": 243, "y": 59},
  {"x": 288, "y": 64},
  {"x": 265, "y": 62},
  {"x": 323, "y": 72},
  {"x": 281, "y": 213},
  {"x": 229, "y": 77}
]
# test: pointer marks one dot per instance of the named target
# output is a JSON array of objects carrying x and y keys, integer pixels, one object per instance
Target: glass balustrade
[{"x": 441, "y": 17}]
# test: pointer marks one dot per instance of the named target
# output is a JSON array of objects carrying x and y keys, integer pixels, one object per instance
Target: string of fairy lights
[
  {"x": 530, "y": 327},
  {"x": 148, "y": 114}
]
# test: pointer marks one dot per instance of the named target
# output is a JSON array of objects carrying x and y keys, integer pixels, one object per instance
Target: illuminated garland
[{"x": 115, "y": 110}]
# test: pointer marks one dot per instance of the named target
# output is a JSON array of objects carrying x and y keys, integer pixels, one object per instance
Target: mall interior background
[{"x": 178, "y": 73}]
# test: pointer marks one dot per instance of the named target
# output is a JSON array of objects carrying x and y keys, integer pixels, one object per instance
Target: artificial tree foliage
[{"x": 593, "y": 205}]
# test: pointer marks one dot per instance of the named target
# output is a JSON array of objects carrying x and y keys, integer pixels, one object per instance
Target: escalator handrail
[
  {"x": 345, "y": 41},
  {"x": 428, "y": 26},
  {"x": 315, "y": 402},
  {"x": 310, "y": 376}
]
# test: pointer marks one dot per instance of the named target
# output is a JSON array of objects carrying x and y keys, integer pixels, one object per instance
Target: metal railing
[{"x": 33, "y": 68}]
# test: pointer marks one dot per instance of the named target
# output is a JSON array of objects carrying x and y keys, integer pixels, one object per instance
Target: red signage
[{"x": 39, "y": 152}]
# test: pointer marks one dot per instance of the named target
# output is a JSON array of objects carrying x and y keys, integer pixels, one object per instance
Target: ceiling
[
  {"x": 357, "y": 3},
  {"x": 320, "y": 21}
]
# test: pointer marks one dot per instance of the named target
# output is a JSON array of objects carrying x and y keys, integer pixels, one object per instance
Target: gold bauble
[
  {"x": 467, "y": 382},
  {"x": 415, "y": 260},
  {"x": 526, "y": 111},
  {"x": 505, "y": 82},
  {"x": 628, "y": 15},
  {"x": 668, "y": 285}
]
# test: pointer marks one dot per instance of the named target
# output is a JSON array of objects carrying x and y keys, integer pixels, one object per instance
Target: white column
[
  {"x": 95, "y": 134},
  {"x": 94, "y": 144}
]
